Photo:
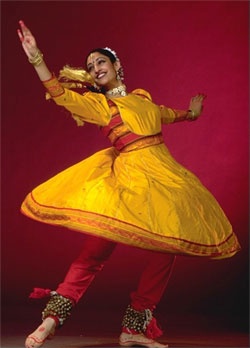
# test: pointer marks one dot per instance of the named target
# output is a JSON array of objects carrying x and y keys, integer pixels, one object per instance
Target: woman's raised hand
[
  {"x": 28, "y": 41},
  {"x": 196, "y": 104},
  {"x": 34, "y": 55}
]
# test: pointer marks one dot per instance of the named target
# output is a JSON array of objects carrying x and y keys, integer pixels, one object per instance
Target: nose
[{"x": 96, "y": 69}]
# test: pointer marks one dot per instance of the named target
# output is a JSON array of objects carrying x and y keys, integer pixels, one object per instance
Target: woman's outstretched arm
[
  {"x": 33, "y": 53},
  {"x": 195, "y": 108}
]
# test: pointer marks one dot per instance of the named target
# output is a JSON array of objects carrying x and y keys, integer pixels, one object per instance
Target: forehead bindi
[{"x": 95, "y": 57}]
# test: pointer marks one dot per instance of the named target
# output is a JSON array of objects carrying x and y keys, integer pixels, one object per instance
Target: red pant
[{"x": 95, "y": 252}]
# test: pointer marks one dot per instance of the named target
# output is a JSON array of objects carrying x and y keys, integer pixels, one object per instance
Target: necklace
[{"x": 121, "y": 90}]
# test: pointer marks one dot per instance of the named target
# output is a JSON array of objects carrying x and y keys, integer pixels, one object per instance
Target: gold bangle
[
  {"x": 193, "y": 115},
  {"x": 37, "y": 59}
]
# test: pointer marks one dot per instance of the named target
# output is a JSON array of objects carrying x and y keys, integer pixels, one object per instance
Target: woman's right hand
[
  {"x": 34, "y": 55},
  {"x": 28, "y": 41}
]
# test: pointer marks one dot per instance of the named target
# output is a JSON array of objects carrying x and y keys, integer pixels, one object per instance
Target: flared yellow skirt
[{"x": 143, "y": 198}]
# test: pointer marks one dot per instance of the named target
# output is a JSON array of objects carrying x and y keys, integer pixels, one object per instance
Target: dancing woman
[{"x": 133, "y": 192}]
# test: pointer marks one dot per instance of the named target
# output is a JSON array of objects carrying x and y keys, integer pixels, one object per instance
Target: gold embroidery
[
  {"x": 54, "y": 87},
  {"x": 145, "y": 142},
  {"x": 117, "y": 132},
  {"x": 120, "y": 231}
]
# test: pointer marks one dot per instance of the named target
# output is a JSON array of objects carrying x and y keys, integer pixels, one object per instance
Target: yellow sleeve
[
  {"x": 89, "y": 107},
  {"x": 169, "y": 115}
]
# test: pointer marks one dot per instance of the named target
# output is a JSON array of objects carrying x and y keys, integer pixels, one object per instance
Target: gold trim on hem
[{"x": 123, "y": 232}]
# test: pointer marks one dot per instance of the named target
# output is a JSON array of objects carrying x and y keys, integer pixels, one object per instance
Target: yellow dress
[{"x": 142, "y": 197}]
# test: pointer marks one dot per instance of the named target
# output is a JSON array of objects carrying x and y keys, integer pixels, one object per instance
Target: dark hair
[{"x": 103, "y": 51}]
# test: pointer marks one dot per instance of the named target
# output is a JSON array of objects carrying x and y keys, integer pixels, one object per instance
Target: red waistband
[{"x": 138, "y": 143}]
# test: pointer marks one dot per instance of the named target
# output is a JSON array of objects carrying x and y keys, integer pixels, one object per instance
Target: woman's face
[{"x": 102, "y": 70}]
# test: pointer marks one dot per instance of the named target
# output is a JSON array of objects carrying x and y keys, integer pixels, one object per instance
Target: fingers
[
  {"x": 199, "y": 97},
  {"x": 24, "y": 31},
  {"x": 26, "y": 37},
  {"x": 20, "y": 35}
]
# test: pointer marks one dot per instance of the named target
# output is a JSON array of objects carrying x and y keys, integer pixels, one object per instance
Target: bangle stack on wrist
[
  {"x": 37, "y": 59},
  {"x": 193, "y": 115}
]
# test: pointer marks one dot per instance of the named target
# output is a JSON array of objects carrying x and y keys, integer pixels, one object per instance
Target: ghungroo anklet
[
  {"x": 141, "y": 322},
  {"x": 58, "y": 306},
  {"x": 136, "y": 320}
]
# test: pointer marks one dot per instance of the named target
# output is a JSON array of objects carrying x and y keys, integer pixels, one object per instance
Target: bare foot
[{"x": 45, "y": 331}]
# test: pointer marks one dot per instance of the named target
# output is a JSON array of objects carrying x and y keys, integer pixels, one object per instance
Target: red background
[{"x": 172, "y": 49}]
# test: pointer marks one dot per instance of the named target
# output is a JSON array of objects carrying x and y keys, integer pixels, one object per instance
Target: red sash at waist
[
  {"x": 135, "y": 142},
  {"x": 122, "y": 138}
]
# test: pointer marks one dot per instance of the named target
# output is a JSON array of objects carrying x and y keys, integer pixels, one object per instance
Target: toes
[{"x": 33, "y": 342}]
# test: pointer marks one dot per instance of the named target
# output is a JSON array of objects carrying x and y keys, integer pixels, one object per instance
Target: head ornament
[{"x": 111, "y": 51}]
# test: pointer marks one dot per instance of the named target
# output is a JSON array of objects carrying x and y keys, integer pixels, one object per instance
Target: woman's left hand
[{"x": 196, "y": 104}]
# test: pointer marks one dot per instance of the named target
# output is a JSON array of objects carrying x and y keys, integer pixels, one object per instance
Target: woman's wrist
[
  {"x": 192, "y": 115},
  {"x": 37, "y": 59},
  {"x": 40, "y": 66}
]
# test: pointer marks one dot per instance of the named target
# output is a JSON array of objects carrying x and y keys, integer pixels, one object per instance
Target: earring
[
  {"x": 120, "y": 74},
  {"x": 118, "y": 77}
]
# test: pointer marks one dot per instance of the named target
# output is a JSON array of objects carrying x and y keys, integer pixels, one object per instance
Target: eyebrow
[{"x": 100, "y": 57}]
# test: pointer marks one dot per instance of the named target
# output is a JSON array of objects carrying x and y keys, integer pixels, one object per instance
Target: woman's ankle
[{"x": 52, "y": 321}]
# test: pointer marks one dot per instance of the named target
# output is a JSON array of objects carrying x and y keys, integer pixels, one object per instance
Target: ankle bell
[
  {"x": 141, "y": 322},
  {"x": 58, "y": 307}
]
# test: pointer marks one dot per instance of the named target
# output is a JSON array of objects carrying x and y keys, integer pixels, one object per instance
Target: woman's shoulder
[{"x": 143, "y": 93}]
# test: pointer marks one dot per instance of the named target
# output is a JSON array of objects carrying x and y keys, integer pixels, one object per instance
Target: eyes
[{"x": 99, "y": 62}]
